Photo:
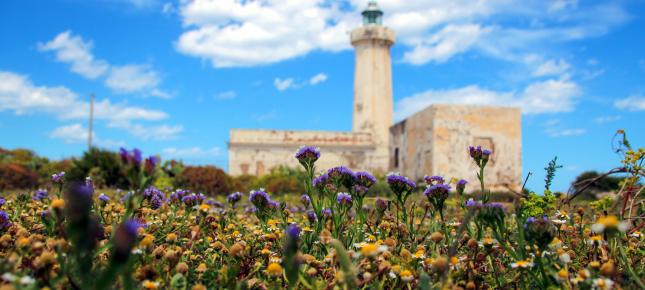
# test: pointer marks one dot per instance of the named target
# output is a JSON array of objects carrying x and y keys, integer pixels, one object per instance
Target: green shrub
[
  {"x": 204, "y": 179},
  {"x": 102, "y": 165},
  {"x": 283, "y": 180}
]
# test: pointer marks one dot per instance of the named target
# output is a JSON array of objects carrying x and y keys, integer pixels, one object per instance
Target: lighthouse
[{"x": 373, "y": 109}]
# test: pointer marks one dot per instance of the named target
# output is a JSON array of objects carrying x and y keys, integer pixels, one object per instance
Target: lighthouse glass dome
[{"x": 372, "y": 14}]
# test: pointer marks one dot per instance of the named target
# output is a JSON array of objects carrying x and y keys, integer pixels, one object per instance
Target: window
[{"x": 396, "y": 157}]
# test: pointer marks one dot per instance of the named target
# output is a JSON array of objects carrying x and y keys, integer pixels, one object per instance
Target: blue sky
[{"x": 173, "y": 77}]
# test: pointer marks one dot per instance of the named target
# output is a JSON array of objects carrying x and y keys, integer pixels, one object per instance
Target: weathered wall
[
  {"x": 257, "y": 151},
  {"x": 435, "y": 141}
]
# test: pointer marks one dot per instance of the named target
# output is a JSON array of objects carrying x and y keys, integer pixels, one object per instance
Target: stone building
[{"x": 432, "y": 141}]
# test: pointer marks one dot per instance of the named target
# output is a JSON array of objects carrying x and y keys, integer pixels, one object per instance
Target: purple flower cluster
[
  {"x": 40, "y": 195},
  {"x": 342, "y": 175},
  {"x": 306, "y": 201},
  {"x": 293, "y": 231},
  {"x": 154, "y": 196},
  {"x": 437, "y": 195},
  {"x": 307, "y": 155},
  {"x": 311, "y": 216},
  {"x": 326, "y": 212},
  {"x": 539, "y": 231},
  {"x": 400, "y": 184},
  {"x": 58, "y": 177},
  {"x": 461, "y": 186},
  {"x": 234, "y": 197},
  {"x": 179, "y": 194},
  {"x": 435, "y": 179},
  {"x": 366, "y": 179},
  {"x": 103, "y": 199},
  {"x": 437, "y": 190},
  {"x": 320, "y": 182},
  {"x": 5, "y": 222},
  {"x": 135, "y": 156},
  {"x": 151, "y": 163},
  {"x": 259, "y": 198},
  {"x": 480, "y": 156},
  {"x": 2, "y": 201},
  {"x": 193, "y": 199},
  {"x": 344, "y": 199},
  {"x": 381, "y": 204}
]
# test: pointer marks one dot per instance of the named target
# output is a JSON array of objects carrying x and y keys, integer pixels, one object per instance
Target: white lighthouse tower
[{"x": 373, "y": 107}]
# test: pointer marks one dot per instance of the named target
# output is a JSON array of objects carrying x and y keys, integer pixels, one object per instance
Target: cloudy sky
[{"x": 173, "y": 77}]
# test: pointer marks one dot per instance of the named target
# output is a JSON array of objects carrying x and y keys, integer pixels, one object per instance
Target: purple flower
[
  {"x": 126, "y": 196},
  {"x": 156, "y": 202},
  {"x": 344, "y": 199},
  {"x": 40, "y": 194},
  {"x": 44, "y": 214},
  {"x": 259, "y": 198},
  {"x": 435, "y": 179},
  {"x": 307, "y": 155},
  {"x": 437, "y": 190},
  {"x": 461, "y": 186},
  {"x": 293, "y": 231},
  {"x": 326, "y": 212},
  {"x": 151, "y": 163},
  {"x": 234, "y": 197},
  {"x": 136, "y": 156},
  {"x": 381, "y": 204},
  {"x": 320, "y": 182},
  {"x": 104, "y": 198},
  {"x": 365, "y": 179},
  {"x": 4, "y": 220},
  {"x": 400, "y": 184},
  {"x": 306, "y": 201},
  {"x": 124, "y": 154},
  {"x": 311, "y": 216},
  {"x": 274, "y": 204},
  {"x": 475, "y": 152},
  {"x": 2, "y": 201},
  {"x": 473, "y": 203},
  {"x": 125, "y": 239},
  {"x": 58, "y": 177},
  {"x": 342, "y": 175}
]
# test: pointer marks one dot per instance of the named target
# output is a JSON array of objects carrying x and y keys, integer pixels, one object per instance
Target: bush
[
  {"x": 103, "y": 165},
  {"x": 15, "y": 176},
  {"x": 283, "y": 180},
  {"x": 605, "y": 184},
  {"x": 204, "y": 179},
  {"x": 244, "y": 183}
]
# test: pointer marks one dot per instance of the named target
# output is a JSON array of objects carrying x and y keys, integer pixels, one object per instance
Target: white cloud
[
  {"x": 451, "y": 40},
  {"x": 73, "y": 133},
  {"x": 552, "y": 68},
  {"x": 76, "y": 133},
  {"x": 129, "y": 78},
  {"x": 284, "y": 84},
  {"x": 266, "y": 116},
  {"x": 168, "y": 8},
  {"x": 75, "y": 51},
  {"x": 235, "y": 33},
  {"x": 20, "y": 95},
  {"x": 607, "y": 119},
  {"x": 633, "y": 103},
  {"x": 550, "y": 96},
  {"x": 153, "y": 132},
  {"x": 132, "y": 78},
  {"x": 319, "y": 78},
  {"x": 227, "y": 95},
  {"x": 553, "y": 132}
]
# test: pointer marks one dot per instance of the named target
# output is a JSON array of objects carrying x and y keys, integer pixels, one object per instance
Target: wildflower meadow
[{"x": 436, "y": 233}]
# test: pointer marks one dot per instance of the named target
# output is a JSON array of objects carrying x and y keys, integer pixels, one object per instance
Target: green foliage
[
  {"x": 102, "y": 165},
  {"x": 204, "y": 179},
  {"x": 550, "y": 173},
  {"x": 602, "y": 205},
  {"x": 244, "y": 183},
  {"x": 535, "y": 205},
  {"x": 283, "y": 180}
]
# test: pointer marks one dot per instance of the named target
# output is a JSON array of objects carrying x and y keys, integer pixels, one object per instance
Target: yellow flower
[
  {"x": 58, "y": 204},
  {"x": 406, "y": 276},
  {"x": 147, "y": 284},
  {"x": 147, "y": 241},
  {"x": 274, "y": 269},
  {"x": 171, "y": 238},
  {"x": 522, "y": 264},
  {"x": 201, "y": 268},
  {"x": 204, "y": 207},
  {"x": 369, "y": 250}
]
